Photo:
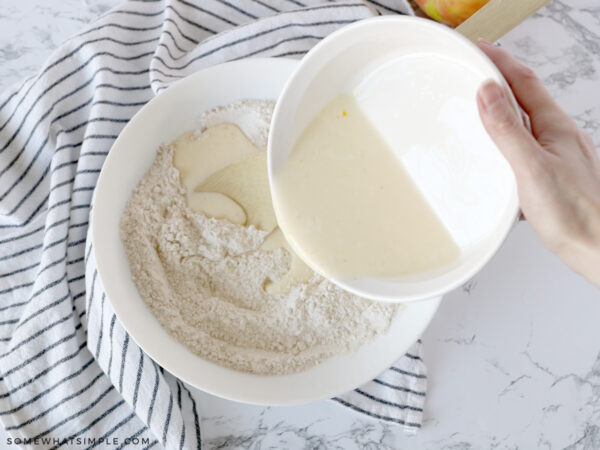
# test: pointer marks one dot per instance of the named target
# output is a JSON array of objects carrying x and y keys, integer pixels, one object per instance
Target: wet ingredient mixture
[{"x": 346, "y": 200}]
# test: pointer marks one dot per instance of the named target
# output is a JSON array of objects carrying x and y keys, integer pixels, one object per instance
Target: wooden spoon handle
[{"x": 497, "y": 18}]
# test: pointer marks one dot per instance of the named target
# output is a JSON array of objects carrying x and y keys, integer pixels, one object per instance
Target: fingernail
[
  {"x": 491, "y": 93},
  {"x": 483, "y": 42}
]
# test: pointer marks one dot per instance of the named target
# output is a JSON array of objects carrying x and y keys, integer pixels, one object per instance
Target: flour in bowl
[{"x": 204, "y": 278}]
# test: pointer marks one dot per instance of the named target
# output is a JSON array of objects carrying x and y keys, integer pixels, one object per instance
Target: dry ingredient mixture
[{"x": 205, "y": 279}]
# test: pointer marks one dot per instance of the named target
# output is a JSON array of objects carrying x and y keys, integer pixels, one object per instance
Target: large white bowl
[
  {"x": 174, "y": 111},
  {"x": 342, "y": 61}
]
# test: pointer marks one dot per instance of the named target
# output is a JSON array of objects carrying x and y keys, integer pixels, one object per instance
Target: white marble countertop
[{"x": 513, "y": 356}]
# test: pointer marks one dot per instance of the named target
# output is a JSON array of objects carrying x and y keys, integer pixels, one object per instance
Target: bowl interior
[
  {"x": 340, "y": 64},
  {"x": 175, "y": 111}
]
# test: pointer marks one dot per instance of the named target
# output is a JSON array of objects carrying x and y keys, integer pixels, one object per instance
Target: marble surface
[{"x": 513, "y": 356}]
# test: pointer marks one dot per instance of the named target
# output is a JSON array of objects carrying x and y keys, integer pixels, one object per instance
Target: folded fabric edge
[{"x": 408, "y": 427}]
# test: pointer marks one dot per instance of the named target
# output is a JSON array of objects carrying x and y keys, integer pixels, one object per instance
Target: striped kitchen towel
[{"x": 69, "y": 372}]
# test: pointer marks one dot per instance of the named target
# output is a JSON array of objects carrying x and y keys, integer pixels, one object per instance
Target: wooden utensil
[{"x": 497, "y": 18}]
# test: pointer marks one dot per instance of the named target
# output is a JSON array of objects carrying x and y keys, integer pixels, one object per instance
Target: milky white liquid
[
  {"x": 424, "y": 106},
  {"x": 348, "y": 205}
]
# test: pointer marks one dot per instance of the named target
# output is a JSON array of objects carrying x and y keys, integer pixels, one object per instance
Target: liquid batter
[
  {"x": 198, "y": 156},
  {"x": 350, "y": 205}
]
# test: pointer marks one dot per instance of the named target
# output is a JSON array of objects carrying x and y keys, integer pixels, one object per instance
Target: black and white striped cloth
[{"x": 68, "y": 369}]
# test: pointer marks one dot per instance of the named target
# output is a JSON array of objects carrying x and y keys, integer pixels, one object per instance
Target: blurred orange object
[{"x": 451, "y": 12}]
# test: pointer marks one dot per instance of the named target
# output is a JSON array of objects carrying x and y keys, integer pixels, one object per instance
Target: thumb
[{"x": 505, "y": 126}]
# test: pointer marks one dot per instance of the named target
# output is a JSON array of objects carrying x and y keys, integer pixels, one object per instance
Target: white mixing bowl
[{"x": 174, "y": 111}]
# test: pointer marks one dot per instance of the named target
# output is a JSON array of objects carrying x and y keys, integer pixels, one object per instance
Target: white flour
[
  {"x": 252, "y": 116},
  {"x": 203, "y": 278}
]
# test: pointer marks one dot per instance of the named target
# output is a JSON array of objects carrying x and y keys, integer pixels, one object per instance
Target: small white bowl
[{"x": 341, "y": 62}]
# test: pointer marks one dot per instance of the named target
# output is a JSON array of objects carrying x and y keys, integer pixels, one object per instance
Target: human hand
[{"x": 555, "y": 164}]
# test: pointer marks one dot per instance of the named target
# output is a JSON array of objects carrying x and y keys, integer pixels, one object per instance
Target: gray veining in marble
[
  {"x": 31, "y": 29},
  {"x": 513, "y": 355}
]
